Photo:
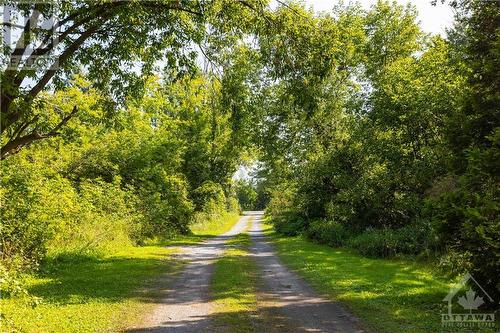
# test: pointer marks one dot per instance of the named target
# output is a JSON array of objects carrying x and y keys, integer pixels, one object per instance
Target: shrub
[
  {"x": 327, "y": 232},
  {"x": 232, "y": 205},
  {"x": 282, "y": 201},
  {"x": 166, "y": 207},
  {"x": 454, "y": 263},
  {"x": 289, "y": 224},
  {"x": 35, "y": 206},
  {"x": 466, "y": 218},
  {"x": 11, "y": 281},
  {"x": 412, "y": 239},
  {"x": 246, "y": 193},
  {"x": 209, "y": 198},
  {"x": 211, "y": 204},
  {"x": 106, "y": 219}
]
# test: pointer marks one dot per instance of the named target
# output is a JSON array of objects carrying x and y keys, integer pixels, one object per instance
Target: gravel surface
[
  {"x": 286, "y": 303},
  {"x": 187, "y": 306}
]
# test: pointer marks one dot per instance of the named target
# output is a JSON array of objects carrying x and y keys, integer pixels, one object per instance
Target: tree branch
[
  {"x": 13, "y": 146},
  {"x": 177, "y": 7},
  {"x": 8, "y": 90},
  {"x": 17, "y": 133},
  {"x": 41, "y": 50},
  {"x": 62, "y": 58},
  {"x": 23, "y": 40}
]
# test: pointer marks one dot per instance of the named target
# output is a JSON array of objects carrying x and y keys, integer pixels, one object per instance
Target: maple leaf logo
[{"x": 470, "y": 301}]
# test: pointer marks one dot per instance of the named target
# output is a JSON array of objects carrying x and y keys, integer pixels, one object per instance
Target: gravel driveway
[{"x": 286, "y": 303}]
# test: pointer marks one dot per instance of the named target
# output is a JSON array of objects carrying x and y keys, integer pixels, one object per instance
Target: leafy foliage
[
  {"x": 394, "y": 149},
  {"x": 100, "y": 186},
  {"x": 370, "y": 133},
  {"x": 246, "y": 194}
]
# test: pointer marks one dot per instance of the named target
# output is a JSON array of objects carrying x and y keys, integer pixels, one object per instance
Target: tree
[
  {"x": 476, "y": 38},
  {"x": 246, "y": 194},
  {"x": 466, "y": 215},
  {"x": 112, "y": 40},
  {"x": 392, "y": 33}
]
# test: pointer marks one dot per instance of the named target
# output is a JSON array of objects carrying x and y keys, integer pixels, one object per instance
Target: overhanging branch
[{"x": 14, "y": 145}]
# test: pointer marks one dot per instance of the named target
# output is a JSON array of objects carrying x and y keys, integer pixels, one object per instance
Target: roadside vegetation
[
  {"x": 389, "y": 295},
  {"x": 206, "y": 229},
  {"x": 98, "y": 293},
  {"x": 394, "y": 150},
  {"x": 71, "y": 204},
  {"x": 251, "y": 193},
  {"x": 215, "y": 226},
  {"x": 368, "y": 133}
]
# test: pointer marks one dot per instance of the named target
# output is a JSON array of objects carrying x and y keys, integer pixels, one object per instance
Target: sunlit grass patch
[
  {"x": 98, "y": 293},
  {"x": 88, "y": 294},
  {"x": 394, "y": 295},
  {"x": 205, "y": 230},
  {"x": 217, "y": 226},
  {"x": 233, "y": 287}
]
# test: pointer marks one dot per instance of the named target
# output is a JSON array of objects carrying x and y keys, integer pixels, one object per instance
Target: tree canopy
[{"x": 369, "y": 133}]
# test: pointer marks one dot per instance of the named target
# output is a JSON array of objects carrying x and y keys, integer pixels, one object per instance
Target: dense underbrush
[{"x": 104, "y": 185}]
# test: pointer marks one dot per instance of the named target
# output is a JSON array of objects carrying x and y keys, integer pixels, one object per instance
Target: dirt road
[
  {"x": 288, "y": 299},
  {"x": 286, "y": 302}
]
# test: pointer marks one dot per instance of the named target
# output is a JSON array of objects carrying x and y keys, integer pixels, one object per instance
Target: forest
[{"x": 363, "y": 132}]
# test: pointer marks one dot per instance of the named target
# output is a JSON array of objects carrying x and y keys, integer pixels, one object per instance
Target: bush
[
  {"x": 106, "y": 219},
  {"x": 11, "y": 281},
  {"x": 454, "y": 263},
  {"x": 209, "y": 198},
  {"x": 413, "y": 239},
  {"x": 466, "y": 218},
  {"x": 282, "y": 201},
  {"x": 211, "y": 204},
  {"x": 328, "y": 232},
  {"x": 232, "y": 205},
  {"x": 46, "y": 212},
  {"x": 289, "y": 224},
  {"x": 34, "y": 207},
  {"x": 164, "y": 203},
  {"x": 246, "y": 193}
]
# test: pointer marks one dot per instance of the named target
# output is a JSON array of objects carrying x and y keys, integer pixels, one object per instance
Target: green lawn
[
  {"x": 390, "y": 295},
  {"x": 91, "y": 294},
  {"x": 233, "y": 287},
  {"x": 88, "y": 294}
]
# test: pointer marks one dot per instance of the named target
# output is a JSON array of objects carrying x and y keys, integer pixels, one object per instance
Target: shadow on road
[{"x": 286, "y": 302}]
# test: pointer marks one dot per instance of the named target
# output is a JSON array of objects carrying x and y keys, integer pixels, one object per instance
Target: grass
[
  {"x": 88, "y": 294},
  {"x": 390, "y": 295},
  {"x": 97, "y": 294},
  {"x": 233, "y": 287},
  {"x": 203, "y": 231}
]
